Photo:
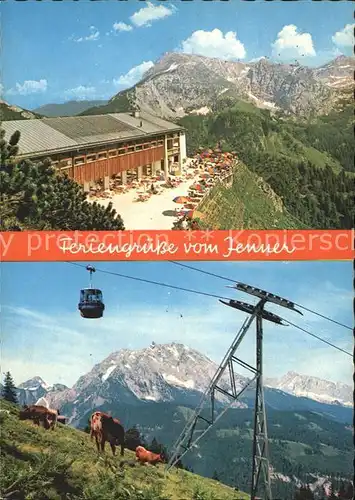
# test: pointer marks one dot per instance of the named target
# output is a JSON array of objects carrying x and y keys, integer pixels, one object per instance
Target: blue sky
[
  {"x": 57, "y": 51},
  {"x": 43, "y": 333}
]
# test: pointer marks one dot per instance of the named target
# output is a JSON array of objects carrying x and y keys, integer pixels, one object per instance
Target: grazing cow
[
  {"x": 39, "y": 414},
  {"x": 105, "y": 428},
  {"x": 145, "y": 456}
]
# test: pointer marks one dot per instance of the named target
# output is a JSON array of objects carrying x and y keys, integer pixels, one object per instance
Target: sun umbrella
[
  {"x": 197, "y": 187},
  {"x": 190, "y": 206},
  {"x": 182, "y": 199},
  {"x": 195, "y": 214}
]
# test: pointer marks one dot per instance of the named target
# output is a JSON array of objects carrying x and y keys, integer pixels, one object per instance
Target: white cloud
[
  {"x": 29, "y": 87},
  {"x": 257, "y": 59},
  {"x": 214, "y": 44},
  {"x": 150, "y": 13},
  {"x": 291, "y": 44},
  {"x": 344, "y": 37},
  {"x": 122, "y": 27},
  {"x": 81, "y": 92},
  {"x": 93, "y": 36},
  {"x": 134, "y": 74}
]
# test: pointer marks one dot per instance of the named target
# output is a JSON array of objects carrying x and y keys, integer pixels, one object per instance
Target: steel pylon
[
  {"x": 204, "y": 419},
  {"x": 261, "y": 461},
  {"x": 193, "y": 432}
]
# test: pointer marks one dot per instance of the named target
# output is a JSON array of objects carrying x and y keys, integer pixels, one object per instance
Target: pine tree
[
  {"x": 215, "y": 476},
  {"x": 9, "y": 389},
  {"x": 37, "y": 196},
  {"x": 133, "y": 439},
  {"x": 349, "y": 491},
  {"x": 342, "y": 491},
  {"x": 159, "y": 448},
  {"x": 304, "y": 493},
  {"x": 154, "y": 446},
  {"x": 332, "y": 495},
  {"x": 180, "y": 465}
]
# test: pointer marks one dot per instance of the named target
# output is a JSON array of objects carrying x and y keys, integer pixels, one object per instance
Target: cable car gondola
[{"x": 91, "y": 304}]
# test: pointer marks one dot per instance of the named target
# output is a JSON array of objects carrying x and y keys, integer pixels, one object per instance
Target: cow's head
[
  {"x": 160, "y": 458},
  {"x": 23, "y": 414}
]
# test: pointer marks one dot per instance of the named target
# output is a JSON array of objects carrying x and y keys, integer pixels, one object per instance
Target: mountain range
[
  {"x": 156, "y": 389},
  {"x": 313, "y": 388},
  {"x": 69, "y": 108},
  {"x": 180, "y": 84},
  {"x": 12, "y": 112},
  {"x": 176, "y": 374}
]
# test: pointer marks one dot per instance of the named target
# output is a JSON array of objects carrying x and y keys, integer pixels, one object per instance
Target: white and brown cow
[
  {"x": 106, "y": 428},
  {"x": 40, "y": 414}
]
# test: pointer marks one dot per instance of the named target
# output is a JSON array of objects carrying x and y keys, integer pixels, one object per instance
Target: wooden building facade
[
  {"x": 93, "y": 148},
  {"x": 95, "y": 163}
]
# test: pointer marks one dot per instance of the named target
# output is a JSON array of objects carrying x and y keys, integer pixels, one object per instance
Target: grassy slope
[
  {"x": 291, "y": 139},
  {"x": 245, "y": 205},
  {"x": 70, "y": 108},
  {"x": 285, "y": 143},
  {"x": 227, "y": 448},
  {"x": 7, "y": 113},
  {"x": 330, "y": 135},
  {"x": 51, "y": 463},
  {"x": 118, "y": 104}
]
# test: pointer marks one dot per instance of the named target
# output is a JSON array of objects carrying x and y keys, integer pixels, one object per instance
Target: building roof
[{"x": 53, "y": 135}]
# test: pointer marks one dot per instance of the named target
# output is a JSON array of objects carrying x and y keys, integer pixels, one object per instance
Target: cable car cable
[
  {"x": 157, "y": 283},
  {"x": 319, "y": 338},
  {"x": 199, "y": 293},
  {"x": 235, "y": 281}
]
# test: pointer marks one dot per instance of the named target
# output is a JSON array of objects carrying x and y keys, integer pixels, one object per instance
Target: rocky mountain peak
[
  {"x": 180, "y": 84},
  {"x": 337, "y": 74},
  {"x": 34, "y": 384},
  {"x": 170, "y": 373},
  {"x": 12, "y": 112},
  {"x": 314, "y": 388}
]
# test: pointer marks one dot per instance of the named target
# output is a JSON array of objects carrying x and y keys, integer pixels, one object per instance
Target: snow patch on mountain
[
  {"x": 34, "y": 384},
  {"x": 314, "y": 388},
  {"x": 175, "y": 373},
  {"x": 171, "y": 379},
  {"x": 202, "y": 111},
  {"x": 179, "y": 83},
  {"x": 42, "y": 402},
  {"x": 108, "y": 373},
  {"x": 260, "y": 103},
  {"x": 171, "y": 67}
]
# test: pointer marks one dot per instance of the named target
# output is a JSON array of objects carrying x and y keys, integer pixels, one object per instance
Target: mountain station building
[{"x": 93, "y": 148}]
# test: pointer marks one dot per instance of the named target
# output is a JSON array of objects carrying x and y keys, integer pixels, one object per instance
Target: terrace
[{"x": 153, "y": 203}]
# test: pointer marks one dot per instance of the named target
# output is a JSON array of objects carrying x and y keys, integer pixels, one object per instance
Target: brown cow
[
  {"x": 145, "y": 456},
  {"x": 105, "y": 428},
  {"x": 40, "y": 414}
]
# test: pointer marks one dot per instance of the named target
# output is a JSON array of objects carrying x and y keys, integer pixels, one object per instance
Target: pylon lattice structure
[{"x": 226, "y": 383}]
